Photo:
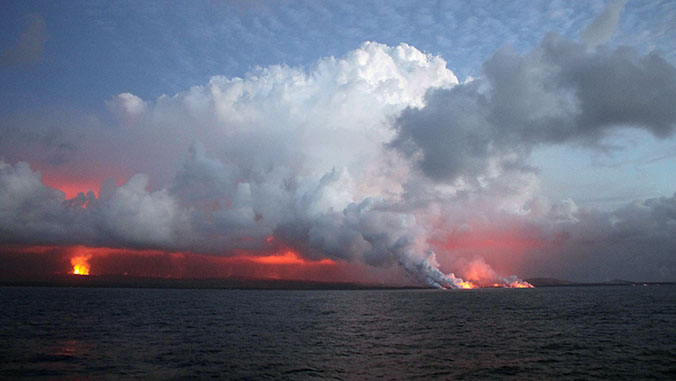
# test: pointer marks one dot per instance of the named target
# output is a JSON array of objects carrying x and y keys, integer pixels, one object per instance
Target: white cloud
[
  {"x": 302, "y": 153},
  {"x": 127, "y": 107},
  {"x": 130, "y": 215}
]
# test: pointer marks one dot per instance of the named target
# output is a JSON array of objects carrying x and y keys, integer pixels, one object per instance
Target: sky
[{"x": 390, "y": 142}]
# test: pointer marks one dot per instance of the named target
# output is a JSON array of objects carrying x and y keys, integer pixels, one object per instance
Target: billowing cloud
[
  {"x": 293, "y": 154},
  {"x": 379, "y": 157},
  {"x": 559, "y": 239},
  {"x": 125, "y": 216},
  {"x": 559, "y": 93},
  {"x": 128, "y": 107}
]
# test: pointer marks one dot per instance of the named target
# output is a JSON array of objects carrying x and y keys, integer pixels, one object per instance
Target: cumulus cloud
[
  {"x": 378, "y": 157},
  {"x": 125, "y": 216},
  {"x": 286, "y": 152},
  {"x": 474, "y": 141},
  {"x": 31, "y": 212},
  {"x": 127, "y": 107}
]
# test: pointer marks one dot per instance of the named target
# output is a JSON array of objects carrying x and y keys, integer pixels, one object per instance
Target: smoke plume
[{"x": 379, "y": 157}]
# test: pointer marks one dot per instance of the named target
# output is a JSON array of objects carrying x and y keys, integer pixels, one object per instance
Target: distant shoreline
[
  {"x": 553, "y": 282},
  {"x": 115, "y": 281}
]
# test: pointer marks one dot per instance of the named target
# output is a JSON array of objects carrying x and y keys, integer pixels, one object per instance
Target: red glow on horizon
[
  {"x": 39, "y": 262},
  {"x": 466, "y": 285},
  {"x": 81, "y": 260},
  {"x": 521, "y": 284},
  {"x": 80, "y": 265},
  {"x": 506, "y": 247},
  {"x": 287, "y": 258},
  {"x": 73, "y": 184},
  {"x": 491, "y": 239},
  {"x": 479, "y": 274},
  {"x": 73, "y": 189},
  {"x": 469, "y": 285}
]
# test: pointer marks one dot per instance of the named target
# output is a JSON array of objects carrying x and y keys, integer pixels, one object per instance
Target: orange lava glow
[
  {"x": 515, "y": 284},
  {"x": 506, "y": 247},
  {"x": 482, "y": 254},
  {"x": 73, "y": 186},
  {"x": 520, "y": 284},
  {"x": 501, "y": 238},
  {"x": 466, "y": 285},
  {"x": 280, "y": 263},
  {"x": 287, "y": 258},
  {"x": 507, "y": 243},
  {"x": 71, "y": 189},
  {"x": 479, "y": 274},
  {"x": 80, "y": 265}
]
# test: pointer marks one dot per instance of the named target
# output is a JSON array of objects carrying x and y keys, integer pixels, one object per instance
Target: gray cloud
[
  {"x": 126, "y": 216},
  {"x": 286, "y": 152},
  {"x": 301, "y": 154},
  {"x": 635, "y": 242},
  {"x": 560, "y": 92}
]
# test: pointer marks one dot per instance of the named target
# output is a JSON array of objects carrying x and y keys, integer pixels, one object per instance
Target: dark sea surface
[{"x": 618, "y": 332}]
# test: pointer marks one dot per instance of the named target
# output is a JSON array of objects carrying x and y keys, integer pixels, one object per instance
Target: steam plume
[{"x": 378, "y": 157}]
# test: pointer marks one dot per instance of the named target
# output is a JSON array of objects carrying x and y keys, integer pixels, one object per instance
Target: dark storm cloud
[{"x": 560, "y": 93}]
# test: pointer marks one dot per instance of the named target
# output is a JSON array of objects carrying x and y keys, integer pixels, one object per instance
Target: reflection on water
[{"x": 569, "y": 333}]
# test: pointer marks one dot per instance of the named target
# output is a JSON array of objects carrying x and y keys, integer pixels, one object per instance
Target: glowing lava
[
  {"x": 520, "y": 284},
  {"x": 287, "y": 258},
  {"x": 466, "y": 285},
  {"x": 80, "y": 265},
  {"x": 479, "y": 274},
  {"x": 514, "y": 284}
]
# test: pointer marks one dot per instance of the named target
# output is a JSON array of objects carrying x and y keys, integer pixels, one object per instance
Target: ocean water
[{"x": 543, "y": 333}]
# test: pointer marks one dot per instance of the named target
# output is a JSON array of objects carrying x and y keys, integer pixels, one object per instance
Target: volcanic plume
[{"x": 379, "y": 158}]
